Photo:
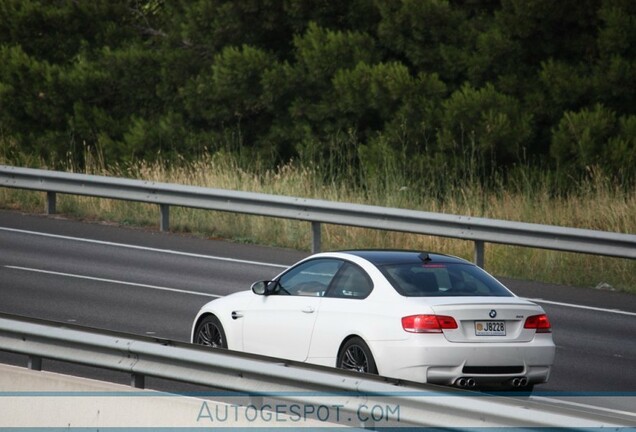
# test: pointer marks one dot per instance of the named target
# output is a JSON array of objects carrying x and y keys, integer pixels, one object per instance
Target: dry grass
[{"x": 598, "y": 204}]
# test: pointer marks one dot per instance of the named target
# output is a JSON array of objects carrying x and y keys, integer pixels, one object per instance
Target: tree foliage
[{"x": 370, "y": 81}]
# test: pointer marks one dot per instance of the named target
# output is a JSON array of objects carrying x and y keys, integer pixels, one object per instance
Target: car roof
[{"x": 384, "y": 257}]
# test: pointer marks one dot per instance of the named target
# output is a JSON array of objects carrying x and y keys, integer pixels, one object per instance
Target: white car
[{"x": 415, "y": 316}]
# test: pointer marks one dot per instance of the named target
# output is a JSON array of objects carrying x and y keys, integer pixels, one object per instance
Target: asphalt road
[{"x": 151, "y": 283}]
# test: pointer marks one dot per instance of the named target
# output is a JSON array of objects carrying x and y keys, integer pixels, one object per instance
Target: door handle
[{"x": 309, "y": 309}]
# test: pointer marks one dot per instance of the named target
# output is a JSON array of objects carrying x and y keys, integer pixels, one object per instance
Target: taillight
[
  {"x": 540, "y": 323},
  {"x": 428, "y": 323}
]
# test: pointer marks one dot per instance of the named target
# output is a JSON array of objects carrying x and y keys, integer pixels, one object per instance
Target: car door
[
  {"x": 281, "y": 324},
  {"x": 343, "y": 311}
]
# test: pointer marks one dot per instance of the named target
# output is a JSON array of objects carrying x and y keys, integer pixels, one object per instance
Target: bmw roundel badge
[{"x": 493, "y": 313}]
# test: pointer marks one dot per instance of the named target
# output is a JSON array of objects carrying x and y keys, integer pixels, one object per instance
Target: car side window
[
  {"x": 351, "y": 282},
  {"x": 311, "y": 278}
]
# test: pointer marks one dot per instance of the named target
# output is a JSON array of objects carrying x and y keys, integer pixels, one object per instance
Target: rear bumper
[
  {"x": 431, "y": 358},
  {"x": 448, "y": 376}
]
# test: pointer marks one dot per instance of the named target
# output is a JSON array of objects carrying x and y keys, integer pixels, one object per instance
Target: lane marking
[
  {"x": 144, "y": 248},
  {"x": 239, "y": 261},
  {"x": 111, "y": 281},
  {"x": 616, "y": 311}
]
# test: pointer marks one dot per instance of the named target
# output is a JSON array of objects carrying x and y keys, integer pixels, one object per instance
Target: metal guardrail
[
  {"x": 421, "y": 405},
  {"x": 478, "y": 230}
]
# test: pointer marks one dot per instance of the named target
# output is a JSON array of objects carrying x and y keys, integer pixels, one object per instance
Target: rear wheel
[
  {"x": 355, "y": 355},
  {"x": 210, "y": 333}
]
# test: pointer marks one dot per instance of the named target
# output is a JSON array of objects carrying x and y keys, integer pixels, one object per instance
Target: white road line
[
  {"x": 616, "y": 311},
  {"x": 111, "y": 281},
  {"x": 143, "y": 248},
  {"x": 239, "y": 261}
]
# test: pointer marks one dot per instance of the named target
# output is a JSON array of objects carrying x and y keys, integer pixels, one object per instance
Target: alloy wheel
[
  {"x": 210, "y": 335},
  {"x": 355, "y": 359}
]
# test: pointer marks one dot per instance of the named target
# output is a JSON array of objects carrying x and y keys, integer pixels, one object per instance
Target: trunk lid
[{"x": 487, "y": 319}]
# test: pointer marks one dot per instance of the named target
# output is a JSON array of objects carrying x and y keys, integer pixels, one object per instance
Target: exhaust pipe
[
  {"x": 519, "y": 382},
  {"x": 465, "y": 382}
]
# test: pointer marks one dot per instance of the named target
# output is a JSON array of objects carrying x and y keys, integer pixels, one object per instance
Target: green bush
[
  {"x": 444, "y": 82},
  {"x": 596, "y": 137},
  {"x": 484, "y": 122}
]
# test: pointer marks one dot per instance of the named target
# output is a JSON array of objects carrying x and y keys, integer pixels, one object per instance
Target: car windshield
[{"x": 442, "y": 279}]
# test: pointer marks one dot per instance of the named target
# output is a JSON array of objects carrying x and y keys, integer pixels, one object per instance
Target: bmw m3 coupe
[{"x": 421, "y": 317}]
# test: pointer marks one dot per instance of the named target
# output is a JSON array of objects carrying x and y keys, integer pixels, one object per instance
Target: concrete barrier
[{"x": 39, "y": 399}]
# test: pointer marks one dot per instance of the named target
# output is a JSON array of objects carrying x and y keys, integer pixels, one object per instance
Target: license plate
[{"x": 490, "y": 328}]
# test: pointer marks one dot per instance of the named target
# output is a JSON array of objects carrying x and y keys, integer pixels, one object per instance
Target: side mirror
[{"x": 260, "y": 288}]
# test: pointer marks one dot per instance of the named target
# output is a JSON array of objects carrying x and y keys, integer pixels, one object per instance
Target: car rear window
[{"x": 442, "y": 280}]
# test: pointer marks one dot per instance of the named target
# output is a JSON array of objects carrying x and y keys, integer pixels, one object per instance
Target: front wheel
[
  {"x": 210, "y": 333},
  {"x": 355, "y": 355}
]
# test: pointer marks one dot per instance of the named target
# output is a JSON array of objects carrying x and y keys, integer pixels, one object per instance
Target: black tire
[
  {"x": 355, "y": 355},
  {"x": 210, "y": 333}
]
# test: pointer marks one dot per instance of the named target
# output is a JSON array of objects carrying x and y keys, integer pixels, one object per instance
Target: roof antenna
[{"x": 424, "y": 257}]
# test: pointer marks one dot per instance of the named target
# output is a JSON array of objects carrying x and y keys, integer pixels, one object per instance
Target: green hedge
[{"x": 354, "y": 84}]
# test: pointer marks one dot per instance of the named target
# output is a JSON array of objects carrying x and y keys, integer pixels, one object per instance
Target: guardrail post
[
  {"x": 35, "y": 363},
  {"x": 164, "y": 223},
  {"x": 479, "y": 253},
  {"x": 315, "y": 237},
  {"x": 50, "y": 202},
  {"x": 613, "y": 244},
  {"x": 138, "y": 381}
]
